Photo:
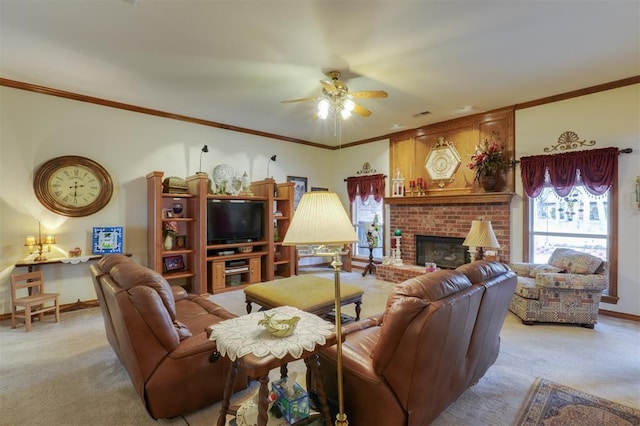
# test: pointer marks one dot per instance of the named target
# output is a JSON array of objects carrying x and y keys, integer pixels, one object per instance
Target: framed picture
[
  {"x": 181, "y": 241},
  {"x": 316, "y": 188},
  {"x": 167, "y": 213},
  {"x": 299, "y": 188},
  {"x": 173, "y": 263},
  {"x": 107, "y": 240}
]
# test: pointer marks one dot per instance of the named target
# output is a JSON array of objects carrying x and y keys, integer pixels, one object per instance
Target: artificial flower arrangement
[
  {"x": 170, "y": 228},
  {"x": 489, "y": 158},
  {"x": 373, "y": 231}
]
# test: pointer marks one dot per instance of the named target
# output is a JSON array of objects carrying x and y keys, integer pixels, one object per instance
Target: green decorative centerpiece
[{"x": 281, "y": 327}]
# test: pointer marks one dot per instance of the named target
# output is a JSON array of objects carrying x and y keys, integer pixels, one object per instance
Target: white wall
[
  {"x": 35, "y": 128},
  {"x": 612, "y": 119}
]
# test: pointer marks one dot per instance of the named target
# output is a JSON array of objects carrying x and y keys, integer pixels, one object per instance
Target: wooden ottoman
[{"x": 305, "y": 292}]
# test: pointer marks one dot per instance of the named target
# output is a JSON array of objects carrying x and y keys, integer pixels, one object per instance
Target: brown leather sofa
[
  {"x": 437, "y": 337},
  {"x": 158, "y": 333}
]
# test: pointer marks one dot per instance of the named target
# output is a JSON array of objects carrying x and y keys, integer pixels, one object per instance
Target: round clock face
[{"x": 73, "y": 186}]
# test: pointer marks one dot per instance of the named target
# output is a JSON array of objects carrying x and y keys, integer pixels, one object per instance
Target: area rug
[{"x": 553, "y": 404}]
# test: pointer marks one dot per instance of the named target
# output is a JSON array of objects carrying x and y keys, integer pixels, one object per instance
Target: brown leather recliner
[
  {"x": 437, "y": 337},
  {"x": 158, "y": 333}
]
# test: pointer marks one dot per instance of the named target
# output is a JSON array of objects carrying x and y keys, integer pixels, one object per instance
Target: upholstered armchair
[{"x": 567, "y": 289}]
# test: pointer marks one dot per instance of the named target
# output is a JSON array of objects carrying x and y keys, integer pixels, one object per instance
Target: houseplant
[{"x": 489, "y": 163}]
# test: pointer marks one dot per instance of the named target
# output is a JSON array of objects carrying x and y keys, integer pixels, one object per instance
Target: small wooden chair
[{"x": 34, "y": 302}]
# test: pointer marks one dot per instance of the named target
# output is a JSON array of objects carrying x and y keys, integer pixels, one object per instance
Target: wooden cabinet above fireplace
[{"x": 411, "y": 155}]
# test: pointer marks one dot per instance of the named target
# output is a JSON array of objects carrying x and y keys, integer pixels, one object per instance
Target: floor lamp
[{"x": 320, "y": 219}]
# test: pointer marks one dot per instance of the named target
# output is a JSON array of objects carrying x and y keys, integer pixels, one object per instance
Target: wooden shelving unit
[
  {"x": 189, "y": 225},
  {"x": 280, "y": 259},
  {"x": 207, "y": 269}
]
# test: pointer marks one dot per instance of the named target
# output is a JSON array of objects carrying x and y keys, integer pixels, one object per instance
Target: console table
[
  {"x": 242, "y": 340},
  {"x": 34, "y": 265}
]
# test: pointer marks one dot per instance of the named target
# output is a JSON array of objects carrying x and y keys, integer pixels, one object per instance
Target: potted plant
[{"x": 489, "y": 163}]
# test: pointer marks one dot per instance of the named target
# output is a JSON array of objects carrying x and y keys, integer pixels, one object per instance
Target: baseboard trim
[
  {"x": 67, "y": 307},
  {"x": 79, "y": 304},
  {"x": 620, "y": 315}
]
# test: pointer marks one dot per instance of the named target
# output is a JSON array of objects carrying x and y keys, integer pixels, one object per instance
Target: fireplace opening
[{"x": 445, "y": 252}]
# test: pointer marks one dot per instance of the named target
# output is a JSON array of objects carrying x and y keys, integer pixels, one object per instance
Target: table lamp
[
  {"x": 320, "y": 219},
  {"x": 39, "y": 244},
  {"x": 480, "y": 236}
]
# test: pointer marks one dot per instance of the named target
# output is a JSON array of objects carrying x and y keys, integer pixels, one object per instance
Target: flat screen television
[{"x": 234, "y": 221}]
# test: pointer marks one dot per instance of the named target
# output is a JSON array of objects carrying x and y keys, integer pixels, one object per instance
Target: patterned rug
[{"x": 553, "y": 404}]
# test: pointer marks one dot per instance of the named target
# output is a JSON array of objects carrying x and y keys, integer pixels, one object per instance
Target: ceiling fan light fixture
[
  {"x": 345, "y": 114},
  {"x": 323, "y": 106},
  {"x": 348, "y": 105}
]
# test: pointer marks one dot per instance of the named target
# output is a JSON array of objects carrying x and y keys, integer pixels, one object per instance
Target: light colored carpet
[
  {"x": 554, "y": 404},
  {"x": 67, "y": 374}
]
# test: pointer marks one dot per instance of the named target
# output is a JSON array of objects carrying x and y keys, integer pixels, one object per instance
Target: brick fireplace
[{"x": 449, "y": 216}]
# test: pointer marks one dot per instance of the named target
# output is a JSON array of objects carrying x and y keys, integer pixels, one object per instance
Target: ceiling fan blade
[
  {"x": 298, "y": 100},
  {"x": 369, "y": 94},
  {"x": 360, "y": 110},
  {"x": 329, "y": 87}
]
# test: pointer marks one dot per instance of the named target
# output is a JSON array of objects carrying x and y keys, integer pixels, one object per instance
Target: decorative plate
[
  {"x": 442, "y": 162},
  {"x": 226, "y": 179}
]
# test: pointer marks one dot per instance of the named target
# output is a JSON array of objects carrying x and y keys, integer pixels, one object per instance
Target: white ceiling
[{"x": 232, "y": 62}]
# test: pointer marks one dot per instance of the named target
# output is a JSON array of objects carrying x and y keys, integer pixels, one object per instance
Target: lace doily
[{"x": 240, "y": 336}]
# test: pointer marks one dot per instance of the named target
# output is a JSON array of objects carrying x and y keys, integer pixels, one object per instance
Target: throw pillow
[{"x": 583, "y": 263}]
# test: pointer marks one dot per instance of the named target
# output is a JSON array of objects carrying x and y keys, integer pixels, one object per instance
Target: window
[
  {"x": 363, "y": 214},
  {"x": 366, "y": 198},
  {"x": 571, "y": 200},
  {"x": 578, "y": 221}
]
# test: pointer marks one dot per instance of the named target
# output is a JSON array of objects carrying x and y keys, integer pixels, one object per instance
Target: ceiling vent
[{"x": 421, "y": 114}]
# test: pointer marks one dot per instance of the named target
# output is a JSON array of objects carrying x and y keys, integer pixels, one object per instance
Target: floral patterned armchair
[{"x": 567, "y": 289}]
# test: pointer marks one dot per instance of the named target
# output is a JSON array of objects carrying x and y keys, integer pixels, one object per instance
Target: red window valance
[
  {"x": 595, "y": 168},
  {"x": 366, "y": 186}
]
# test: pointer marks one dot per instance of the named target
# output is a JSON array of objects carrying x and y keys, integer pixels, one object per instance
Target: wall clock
[{"x": 73, "y": 186}]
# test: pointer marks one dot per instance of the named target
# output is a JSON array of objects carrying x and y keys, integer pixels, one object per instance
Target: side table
[
  {"x": 371, "y": 266},
  {"x": 244, "y": 341}
]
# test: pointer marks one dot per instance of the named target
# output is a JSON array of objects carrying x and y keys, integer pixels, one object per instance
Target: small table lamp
[
  {"x": 320, "y": 219},
  {"x": 480, "y": 236}
]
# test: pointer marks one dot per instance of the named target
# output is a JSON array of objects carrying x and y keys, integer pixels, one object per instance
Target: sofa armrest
[
  {"x": 523, "y": 269},
  {"x": 211, "y": 307},
  {"x": 588, "y": 282},
  {"x": 179, "y": 293},
  {"x": 352, "y": 327},
  {"x": 194, "y": 345}
]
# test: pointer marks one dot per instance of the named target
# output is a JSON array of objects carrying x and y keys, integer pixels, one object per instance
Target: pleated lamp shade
[
  {"x": 320, "y": 219},
  {"x": 481, "y": 235}
]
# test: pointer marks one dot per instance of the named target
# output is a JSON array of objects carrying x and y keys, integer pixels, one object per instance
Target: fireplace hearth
[{"x": 445, "y": 252}]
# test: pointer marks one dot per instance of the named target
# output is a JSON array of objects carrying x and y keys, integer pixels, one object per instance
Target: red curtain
[
  {"x": 366, "y": 186},
  {"x": 595, "y": 168}
]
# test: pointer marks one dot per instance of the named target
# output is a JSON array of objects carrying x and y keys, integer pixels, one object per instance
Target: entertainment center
[{"x": 228, "y": 241}]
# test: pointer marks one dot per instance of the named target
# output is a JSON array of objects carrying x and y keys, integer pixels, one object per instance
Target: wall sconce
[
  {"x": 480, "y": 236},
  {"x": 32, "y": 243},
  {"x": 273, "y": 158},
  {"x": 202, "y": 151}
]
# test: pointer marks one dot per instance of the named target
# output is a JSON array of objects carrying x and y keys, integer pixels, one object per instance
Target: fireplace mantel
[{"x": 481, "y": 198}]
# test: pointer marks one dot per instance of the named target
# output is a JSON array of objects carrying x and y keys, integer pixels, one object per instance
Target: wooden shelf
[
  {"x": 471, "y": 198},
  {"x": 205, "y": 271}
]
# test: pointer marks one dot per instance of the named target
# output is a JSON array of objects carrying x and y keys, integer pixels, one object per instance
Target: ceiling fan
[{"x": 336, "y": 98}]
